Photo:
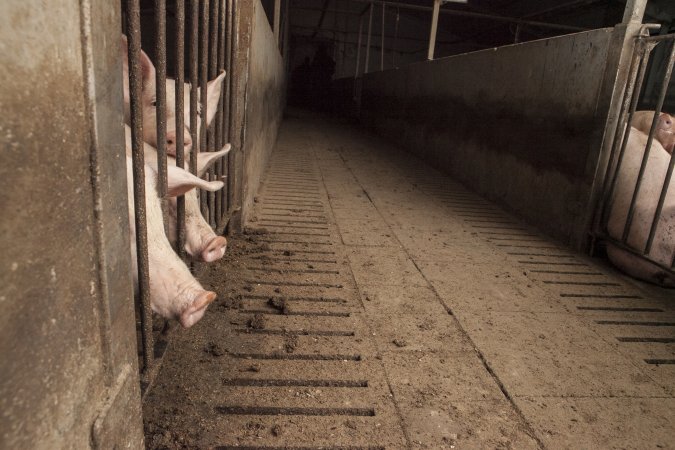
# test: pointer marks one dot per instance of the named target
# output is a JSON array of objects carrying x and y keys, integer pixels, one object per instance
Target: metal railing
[
  {"x": 643, "y": 49},
  {"x": 207, "y": 27}
]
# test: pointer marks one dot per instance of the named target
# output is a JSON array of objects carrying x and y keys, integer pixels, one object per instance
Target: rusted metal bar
[
  {"x": 382, "y": 38},
  {"x": 393, "y": 47},
  {"x": 180, "y": 121},
  {"x": 220, "y": 116},
  {"x": 434, "y": 29},
  {"x": 631, "y": 95},
  {"x": 650, "y": 139},
  {"x": 669, "y": 173},
  {"x": 277, "y": 19},
  {"x": 227, "y": 132},
  {"x": 231, "y": 157},
  {"x": 203, "y": 81},
  {"x": 358, "y": 48},
  {"x": 137, "y": 156},
  {"x": 211, "y": 131},
  {"x": 160, "y": 105},
  {"x": 366, "y": 66},
  {"x": 194, "y": 82}
]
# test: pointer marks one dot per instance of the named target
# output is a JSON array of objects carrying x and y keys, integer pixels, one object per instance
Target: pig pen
[{"x": 420, "y": 290}]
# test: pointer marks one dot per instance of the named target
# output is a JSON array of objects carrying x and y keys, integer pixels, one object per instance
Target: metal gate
[
  {"x": 204, "y": 31},
  {"x": 632, "y": 174}
]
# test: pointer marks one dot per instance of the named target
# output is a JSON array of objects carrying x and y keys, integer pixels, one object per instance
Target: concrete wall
[
  {"x": 68, "y": 377},
  {"x": 265, "y": 98},
  {"x": 520, "y": 124}
]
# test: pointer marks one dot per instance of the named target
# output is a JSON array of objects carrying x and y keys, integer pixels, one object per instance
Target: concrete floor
[{"x": 417, "y": 315}]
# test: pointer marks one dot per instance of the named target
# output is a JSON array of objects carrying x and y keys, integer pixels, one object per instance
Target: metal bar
[
  {"x": 475, "y": 15},
  {"x": 393, "y": 48},
  {"x": 434, "y": 29},
  {"x": 366, "y": 66},
  {"x": 226, "y": 104},
  {"x": 669, "y": 173},
  {"x": 135, "y": 88},
  {"x": 180, "y": 121},
  {"x": 382, "y": 40},
  {"x": 277, "y": 19},
  {"x": 160, "y": 105},
  {"x": 358, "y": 48},
  {"x": 231, "y": 157},
  {"x": 220, "y": 117},
  {"x": 639, "y": 254},
  {"x": 650, "y": 139},
  {"x": 210, "y": 131},
  {"x": 634, "y": 11},
  {"x": 194, "y": 82},
  {"x": 203, "y": 81},
  {"x": 642, "y": 53},
  {"x": 516, "y": 38}
]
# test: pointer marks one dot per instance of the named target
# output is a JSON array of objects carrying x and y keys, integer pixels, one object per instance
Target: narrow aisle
[{"x": 375, "y": 303}]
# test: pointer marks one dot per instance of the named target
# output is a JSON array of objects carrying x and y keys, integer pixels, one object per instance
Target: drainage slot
[
  {"x": 658, "y": 340},
  {"x": 280, "y": 411},
  {"x": 614, "y": 308},
  {"x": 296, "y": 383},
  {"x": 275, "y": 312},
  {"x": 275, "y": 270},
  {"x": 658, "y": 362},
  {"x": 560, "y": 272},
  {"x": 295, "y": 233},
  {"x": 583, "y": 283},
  {"x": 272, "y": 258},
  {"x": 291, "y": 283},
  {"x": 635, "y": 322},
  {"x": 296, "y": 357},
  {"x": 296, "y": 332},
  {"x": 298, "y": 299},
  {"x": 274, "y": 241},
  {"x": 318, "y": 252},
  {"x": 611, "y": 296},
  {"x": 554, "y": 263}
]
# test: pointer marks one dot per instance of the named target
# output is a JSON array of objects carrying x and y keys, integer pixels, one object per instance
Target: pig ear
[
  {"x": 207, "y": 159},
  {"x": 214, "y": 87},
  {"x": 147, "y": 70},
  {"x": 181, "y": 181}
]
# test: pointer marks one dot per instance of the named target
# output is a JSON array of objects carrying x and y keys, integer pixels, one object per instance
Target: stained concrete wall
[
  {"x": 68, "y": 377},
  {"x": 265, "y": 99},
  {"x": 520, "y": 124}
]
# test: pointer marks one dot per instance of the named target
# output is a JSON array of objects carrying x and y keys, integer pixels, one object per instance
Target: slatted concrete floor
[{"x": 415, "y": 315}]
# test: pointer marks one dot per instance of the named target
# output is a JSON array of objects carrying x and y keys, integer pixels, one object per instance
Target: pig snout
[
  {"x": 194, "y": 312},
  {"x": 215, "y": 249},
  {"x": 171, "y": 142}
]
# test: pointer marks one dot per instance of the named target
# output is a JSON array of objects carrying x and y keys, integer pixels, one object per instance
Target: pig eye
[{"x": 154, "y": 103}]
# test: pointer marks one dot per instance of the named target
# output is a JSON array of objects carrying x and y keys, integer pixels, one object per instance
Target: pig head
[
  {"x": 665, "y": 129},
  {"x": 174, "y": 292},
  {"x": 663, "y": 246},
  {"x": 148, "y": 103},
  {"x": 201, "y": 242}
]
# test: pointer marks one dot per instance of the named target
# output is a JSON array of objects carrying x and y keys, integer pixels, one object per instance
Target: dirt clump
[
  {"x": 213, "y": 349},
  {"x": 257, "y": 322},
  {"x": 400, "y": 342},
  {"x": 280, "y": 304}
]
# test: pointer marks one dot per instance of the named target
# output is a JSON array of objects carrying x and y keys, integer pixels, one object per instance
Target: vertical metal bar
[
  {"x": 203, "y": 81},
  {"x": 634, "y": 11},
  {"x": 393, "y": 47},
  {"x": 669, "y": 173},
  {"x": 135, "y": 88},
  {"x": 231, "y": 157},
  {"x": 226, "y": 104},
  {"x": 358, "y": 48},
  {"x": 382, "y": 38},
  {"x": 160, "y": 105},
  {"x": 277, "y": 19},
  {"x": 632, "y": 94},
  {"x": 434, "y": 28},
  {"x": 194, "y": 82},
  {"x": 220, "y": 117},
  {"x": 366, "y": 67},
  {"x": 180, "y": 120},
  {"x": 213, "y": 66},
  {"x": 516, "y": 38},
  {"x": 650, "y": 139}
]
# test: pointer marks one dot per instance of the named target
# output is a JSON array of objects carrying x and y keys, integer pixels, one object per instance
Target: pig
[
  {"x": 663, "y": 246},
  {"x": 665, "y": 132},
  {"x": 148, "y": 103},
  {"x": 201, "y": 243},
  {"x": 174, "y": 292}
]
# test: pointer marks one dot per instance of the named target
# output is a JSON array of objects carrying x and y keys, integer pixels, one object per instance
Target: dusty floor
[{"x": 374, "y": 303}]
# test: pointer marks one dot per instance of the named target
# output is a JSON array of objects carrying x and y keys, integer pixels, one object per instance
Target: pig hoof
[
  {"x": 195, "y": 311},
  {"x": 215, "y": 250}
]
